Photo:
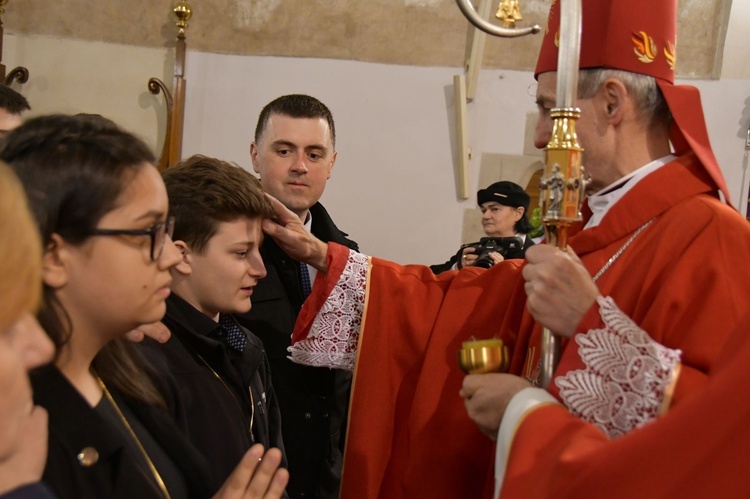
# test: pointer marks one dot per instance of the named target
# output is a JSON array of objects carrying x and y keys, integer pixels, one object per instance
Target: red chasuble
[
  {"x": 677, "y": 266},
  {"x": 700, "y": 449}
]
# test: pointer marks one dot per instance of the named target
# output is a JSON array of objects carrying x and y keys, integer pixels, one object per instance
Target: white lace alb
[
  {"x": 626, "y": 376},
  {"x": 332, "y": 341}
]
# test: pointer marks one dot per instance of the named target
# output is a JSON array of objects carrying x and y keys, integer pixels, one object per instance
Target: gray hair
[{"x": 646, "y": 94}]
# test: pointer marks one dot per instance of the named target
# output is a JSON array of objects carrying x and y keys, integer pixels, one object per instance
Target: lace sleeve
[
  {"x": 333, "y": 338},
  {"x": 627, "y": 378}
]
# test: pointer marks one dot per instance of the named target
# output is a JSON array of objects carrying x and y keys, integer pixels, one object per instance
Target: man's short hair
[
  {"x": 643, "y": 88},
  {"x": 295, "y": 106},
  {"x": 204, "y": 192},
  {"x": 12, "y": 101}
]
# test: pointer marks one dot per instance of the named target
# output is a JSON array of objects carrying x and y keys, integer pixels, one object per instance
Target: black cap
[{"x": 506, "y": 193}]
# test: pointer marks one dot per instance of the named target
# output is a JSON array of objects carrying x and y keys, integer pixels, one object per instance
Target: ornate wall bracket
[
  {"x": 19, "y": 74},
  {"x": 465, "y": 87},
  {"x": 175, "y": 101}
]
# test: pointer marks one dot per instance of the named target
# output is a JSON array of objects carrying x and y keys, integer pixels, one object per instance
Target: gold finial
[
  {"x": 183, "y": 11},
  {"x": 2, "y": 4},
  {"x": 509, "y": 13}
]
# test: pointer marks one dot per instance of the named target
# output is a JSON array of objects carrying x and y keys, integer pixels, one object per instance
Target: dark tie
[
  {"x": 235, "y": 336},
  {"x": 304, "y": 279}
]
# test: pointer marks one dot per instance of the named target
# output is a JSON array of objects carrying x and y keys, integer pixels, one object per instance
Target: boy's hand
[
  {"x": 257, "y": 476},
  {"x": 290, "y": 234}
]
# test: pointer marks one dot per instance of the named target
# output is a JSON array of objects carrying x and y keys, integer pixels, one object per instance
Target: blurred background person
[
  {"x": 23, "y": 346},
  {"x": 505, "y": 207},
  {"x": 12, "y": 106}
]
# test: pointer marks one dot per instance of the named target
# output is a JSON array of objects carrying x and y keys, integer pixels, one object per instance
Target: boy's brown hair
[{"x": 204, "y": 192}]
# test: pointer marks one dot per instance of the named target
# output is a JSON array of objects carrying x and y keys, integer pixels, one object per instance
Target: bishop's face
[{"x": 593, "y": 131}]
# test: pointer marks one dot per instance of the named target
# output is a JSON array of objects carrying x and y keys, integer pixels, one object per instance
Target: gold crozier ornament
[
  {"x": 509, "y": 13},
  {"x": 563, "y": 184}
]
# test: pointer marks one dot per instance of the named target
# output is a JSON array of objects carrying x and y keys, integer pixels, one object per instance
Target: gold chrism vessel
[{"x": 483, "y": 356}]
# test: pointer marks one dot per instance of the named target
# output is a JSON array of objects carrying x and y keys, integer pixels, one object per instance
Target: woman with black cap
[{"x": 504, "y": 208}]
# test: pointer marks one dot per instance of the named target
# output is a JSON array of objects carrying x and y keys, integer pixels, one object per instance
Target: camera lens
[{"x": 484, "y": 261}]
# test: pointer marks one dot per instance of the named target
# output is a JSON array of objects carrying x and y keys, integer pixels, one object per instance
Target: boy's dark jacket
[{"x": 218, "y": 390}]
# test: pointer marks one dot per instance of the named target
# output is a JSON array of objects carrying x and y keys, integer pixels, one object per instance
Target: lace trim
[
  {"x": 626, "y": 375},
  {"x": 332, "y": 341}
]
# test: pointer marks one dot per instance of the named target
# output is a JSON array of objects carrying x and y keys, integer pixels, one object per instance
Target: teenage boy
[{"x": 218, "y": 370}]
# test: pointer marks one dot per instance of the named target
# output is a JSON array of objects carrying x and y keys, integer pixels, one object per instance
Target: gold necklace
[
  {"x": 250, "y": 390},
  {"x": 138, "y": 444}
]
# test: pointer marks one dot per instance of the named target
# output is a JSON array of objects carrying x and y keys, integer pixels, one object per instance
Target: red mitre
[{"x": 639, "y": 36}]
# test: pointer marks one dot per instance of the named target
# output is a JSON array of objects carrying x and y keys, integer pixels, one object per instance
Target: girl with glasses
[{"x": 101, "y": 207}]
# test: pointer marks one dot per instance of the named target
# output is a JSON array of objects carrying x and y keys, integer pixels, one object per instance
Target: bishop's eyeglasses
[{"x": 158, "y": 233}]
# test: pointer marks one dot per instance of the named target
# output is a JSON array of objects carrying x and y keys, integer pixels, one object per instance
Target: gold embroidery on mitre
[
  {"x": 671, "y": 54},
  {"x": 557, "y": 39},
  {"x": 645, "y": 48}
]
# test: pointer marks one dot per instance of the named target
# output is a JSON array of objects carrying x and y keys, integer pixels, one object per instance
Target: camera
[{"x": 486, "y": 245}]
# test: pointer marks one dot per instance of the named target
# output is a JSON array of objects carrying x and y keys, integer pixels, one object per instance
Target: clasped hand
[
  {"x": 486, "y": 397},
  {"x": 558, "y": 287}
]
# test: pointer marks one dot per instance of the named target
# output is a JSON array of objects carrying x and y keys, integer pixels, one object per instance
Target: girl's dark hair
[{"x": 74, "y": 170}]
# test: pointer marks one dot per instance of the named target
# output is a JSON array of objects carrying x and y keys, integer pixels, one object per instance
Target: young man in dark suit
[{"x": 294, "y": 152}]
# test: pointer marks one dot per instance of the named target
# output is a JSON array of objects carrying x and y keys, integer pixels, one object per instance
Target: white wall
[
  {"x": 736, "y": 62},
  {"x": 726, "y": 104},
  {"x": 393, "y": 187},
  {"x": 74, "y": 76}
]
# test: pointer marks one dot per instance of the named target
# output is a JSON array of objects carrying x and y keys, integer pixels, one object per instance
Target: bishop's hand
[
  {"x": 486, "y": 397},
  {"x": 290, "y": 234},
  {"x": 257, "y": 476},
  {"x": 559, "y": 289}
]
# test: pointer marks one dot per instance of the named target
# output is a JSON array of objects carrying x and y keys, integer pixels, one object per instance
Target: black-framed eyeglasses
[{"x": 158, "y": 233}]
